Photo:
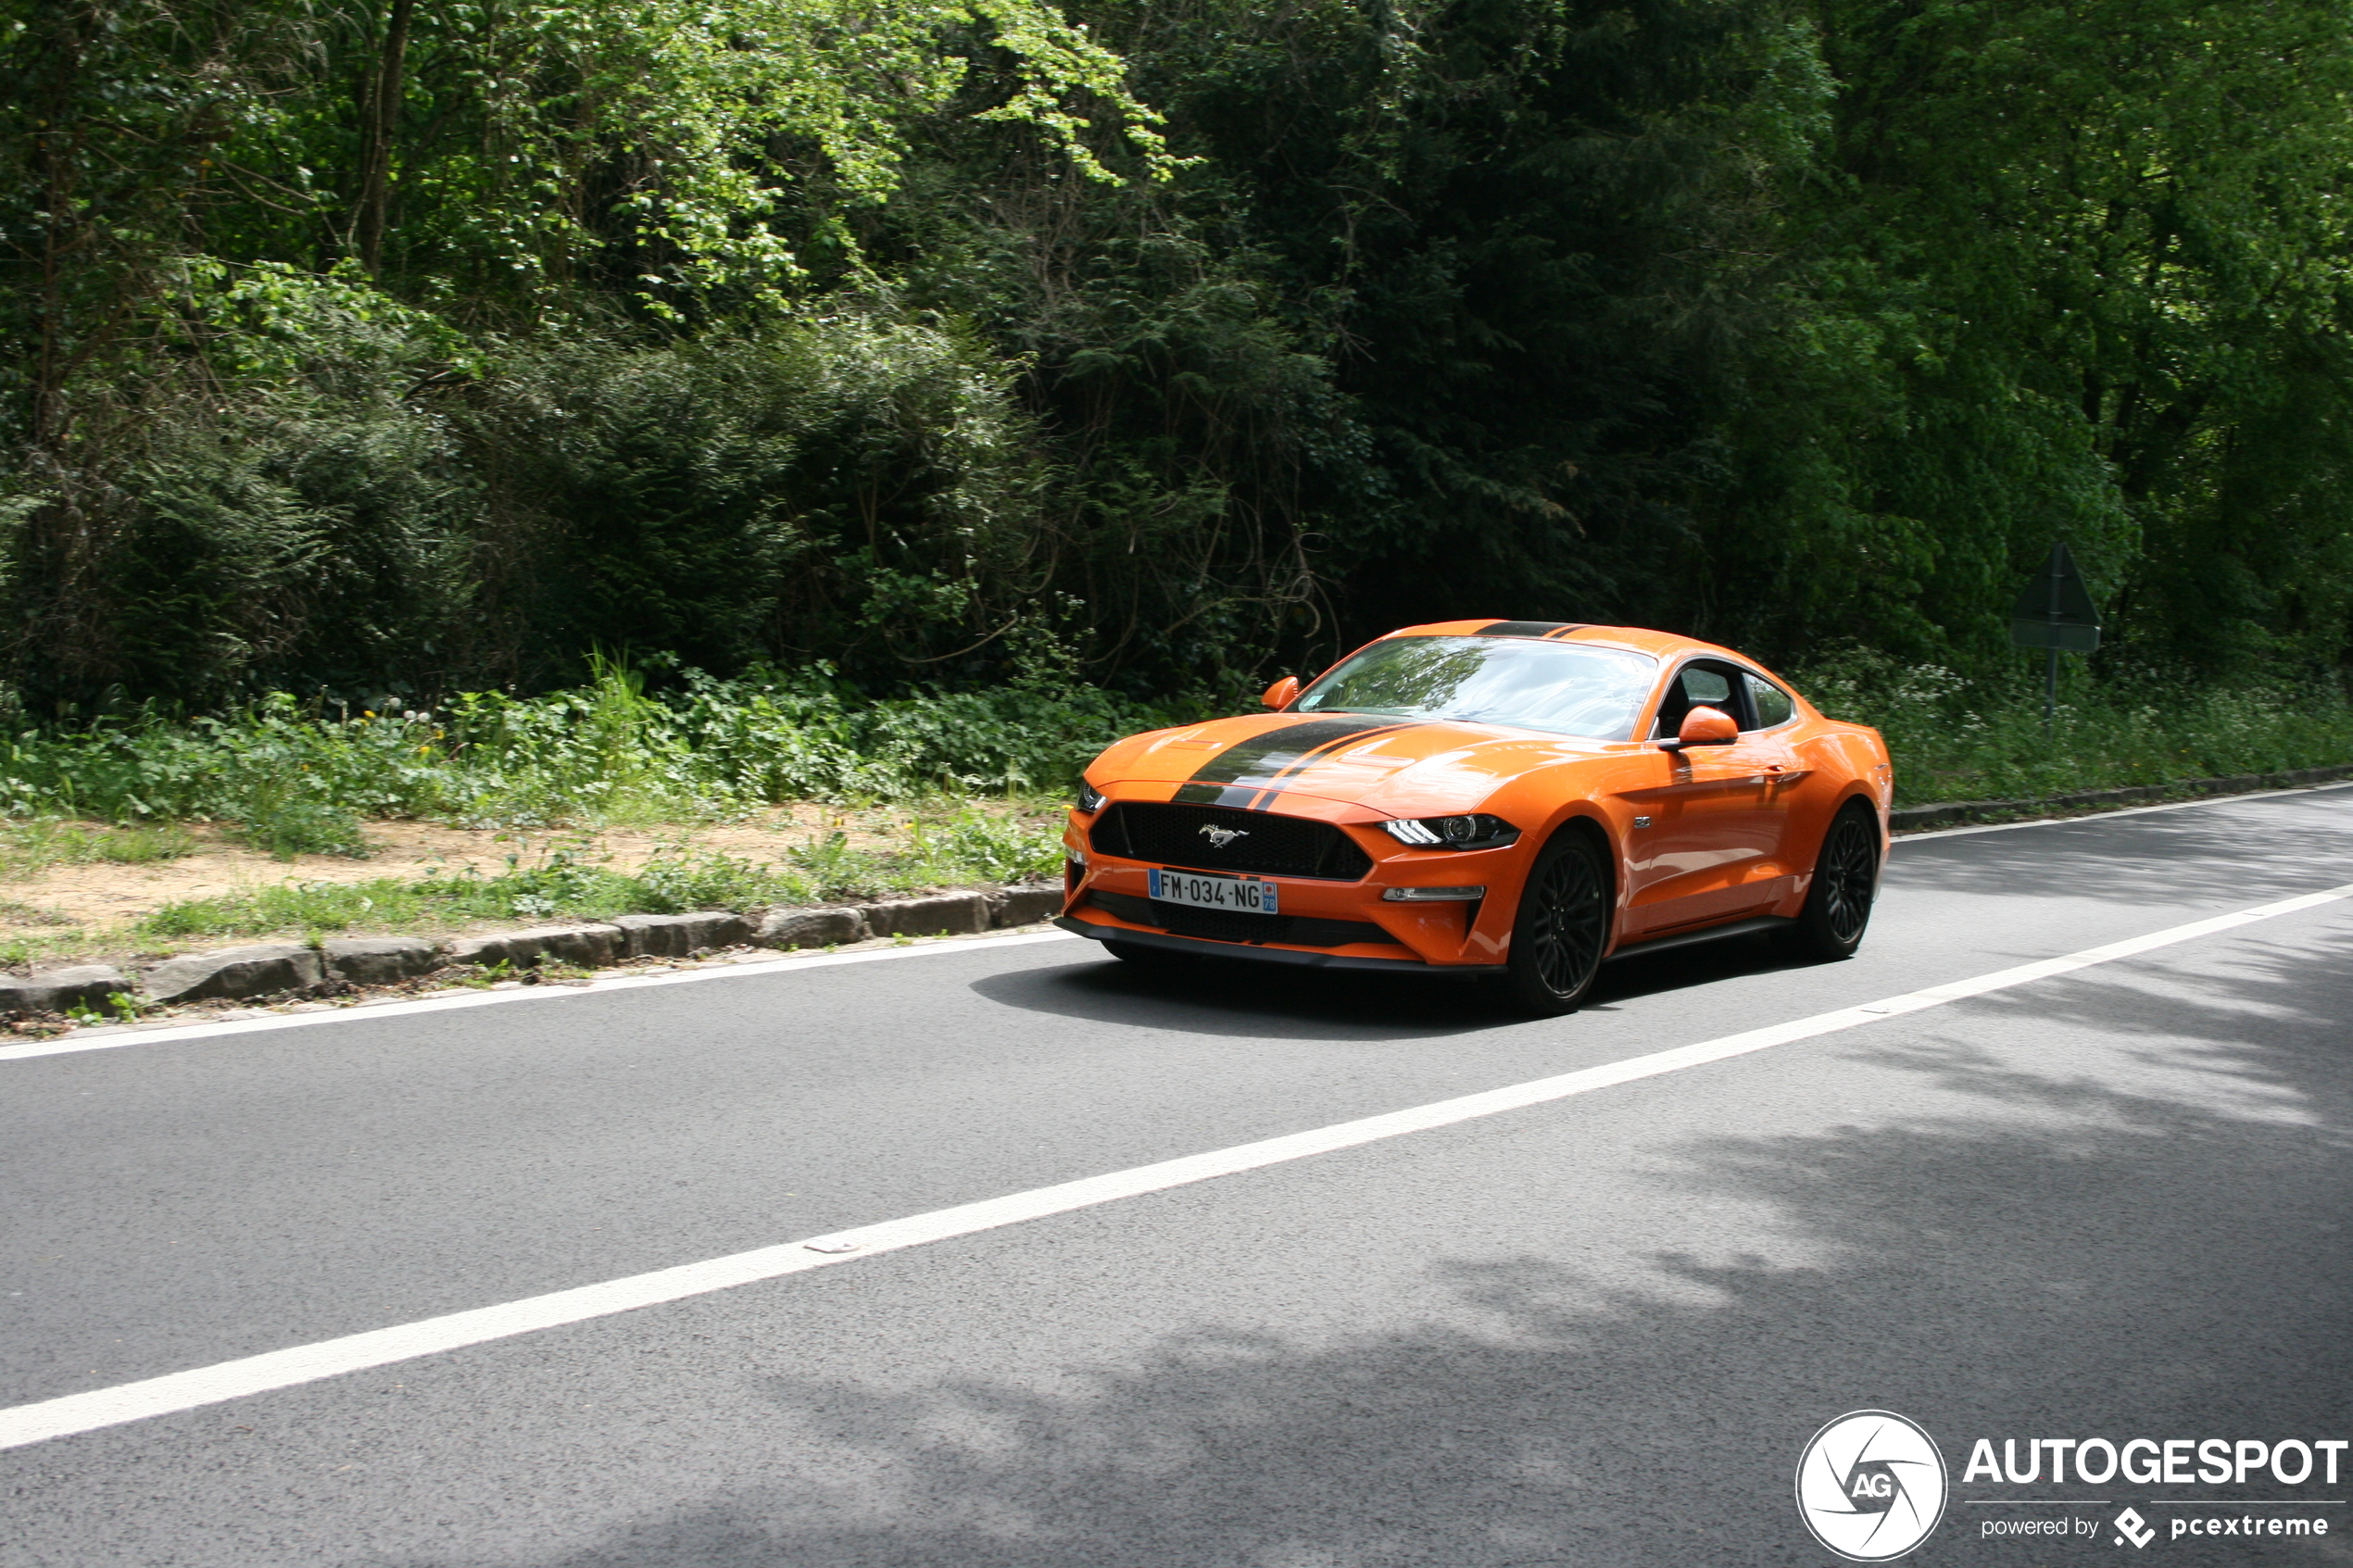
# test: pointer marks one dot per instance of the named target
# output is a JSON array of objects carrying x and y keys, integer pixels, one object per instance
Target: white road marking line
[
  {"x": 181, "y": 1391},
  {"x": 181, "y": 1034}
]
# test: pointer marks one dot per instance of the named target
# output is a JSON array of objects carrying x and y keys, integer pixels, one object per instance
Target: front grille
[
  {"x": 1266, "y": 842},
  {"x": 1224, "y": 925}
]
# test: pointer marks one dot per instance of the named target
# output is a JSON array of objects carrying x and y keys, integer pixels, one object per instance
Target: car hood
[{"x": 1390, "y": 767}]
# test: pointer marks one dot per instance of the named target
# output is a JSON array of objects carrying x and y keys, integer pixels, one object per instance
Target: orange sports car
[{"x": 1513, "y": 800}]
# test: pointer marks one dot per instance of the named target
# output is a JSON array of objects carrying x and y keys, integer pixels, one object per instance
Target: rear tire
[
  {"x": 1838, "y": 905},
  {"x": 1560, "y": 931}
]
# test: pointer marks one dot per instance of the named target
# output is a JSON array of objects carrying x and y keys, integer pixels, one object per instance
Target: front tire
[
  {"x": 1560, "y": 931},
  {"x": 1838, "y": 905}
]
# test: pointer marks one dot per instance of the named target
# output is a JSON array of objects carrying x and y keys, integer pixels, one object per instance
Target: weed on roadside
[
  {"x": 286, "y": 828},
  {"x": 483, "y": 977},
  {"x": 46, "y": 950},
  {"x": 121, "y": 1007}
]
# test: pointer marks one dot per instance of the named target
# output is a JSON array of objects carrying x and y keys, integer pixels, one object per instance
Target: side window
[
  {"x": 1699, "y": 685},
  {"x": 1772, "y": 704},
  {"x": 1705, "y": 688}
]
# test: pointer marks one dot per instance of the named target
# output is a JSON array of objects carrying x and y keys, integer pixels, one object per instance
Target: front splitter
[{"x": 1202, "y": 948}]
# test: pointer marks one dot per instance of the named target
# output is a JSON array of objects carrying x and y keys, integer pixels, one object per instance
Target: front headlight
[
  {"x": 1472, "y": 830},
  {"x": 1090, "y": 799}
]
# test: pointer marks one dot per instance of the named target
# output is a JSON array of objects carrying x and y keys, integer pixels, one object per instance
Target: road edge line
[{"x": 175, "y": 1032}]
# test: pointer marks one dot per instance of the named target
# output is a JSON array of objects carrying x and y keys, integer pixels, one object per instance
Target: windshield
[{"x": 1565, "y": 687}]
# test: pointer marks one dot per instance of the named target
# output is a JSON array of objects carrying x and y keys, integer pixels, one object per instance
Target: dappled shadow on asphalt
[
  {"x": 2149, "y": 1241},
  {"x": 2245, "y": 852}
]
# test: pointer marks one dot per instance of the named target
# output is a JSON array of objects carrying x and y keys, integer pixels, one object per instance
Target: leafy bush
[
  {"x": 300, "y": 780},
  {"x": 1957, "y": 739}
]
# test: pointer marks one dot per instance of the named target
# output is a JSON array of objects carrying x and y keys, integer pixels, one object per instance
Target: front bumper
[{"x": 1327, "y": 922}]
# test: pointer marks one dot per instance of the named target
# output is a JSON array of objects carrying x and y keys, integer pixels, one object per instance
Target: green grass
[
  {"x": 28, "y": 848},
  {"x": 49, "y": 948}
]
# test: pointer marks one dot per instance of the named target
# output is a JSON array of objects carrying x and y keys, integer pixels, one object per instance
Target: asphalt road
[{"x": 2112, "y": 1203}]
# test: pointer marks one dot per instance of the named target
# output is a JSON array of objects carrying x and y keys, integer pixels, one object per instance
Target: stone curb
[
  {"x": 254, "y": 970},
  {"x": 56, "y": 990},
  {"x": 271, "y": 968},
  {"x": 1953, "y": 813}
]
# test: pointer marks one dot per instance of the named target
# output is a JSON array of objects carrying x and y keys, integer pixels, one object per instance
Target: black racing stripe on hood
[
  {"x": 1528, "y": 628},
  {"x": 1244, "y": 774},
  {"x": 1216, "y": 795}
]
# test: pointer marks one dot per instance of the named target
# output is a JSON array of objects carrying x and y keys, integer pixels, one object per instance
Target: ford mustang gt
[{"x": 1511, "y": 800}]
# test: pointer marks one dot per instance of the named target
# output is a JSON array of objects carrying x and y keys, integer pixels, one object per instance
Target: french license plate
[{"x": 1214, "y": 892}]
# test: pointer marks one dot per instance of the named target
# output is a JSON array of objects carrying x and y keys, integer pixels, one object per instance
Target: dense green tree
[
  {"x": 355, "y": 345},
  {"x": 2071, "y": 271},
  {"x": 1428, "y": 327}
]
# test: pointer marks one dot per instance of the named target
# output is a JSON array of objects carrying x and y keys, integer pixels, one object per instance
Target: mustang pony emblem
[{"x": 1219, "y": 837}]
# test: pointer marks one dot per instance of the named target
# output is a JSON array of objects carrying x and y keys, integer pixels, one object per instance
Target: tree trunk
[{"x": 379, "y": 118}]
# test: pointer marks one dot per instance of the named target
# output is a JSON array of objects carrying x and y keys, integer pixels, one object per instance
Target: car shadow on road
[
  {"x": 1238, "y": 997},
  {"x": 1681, "y": 969},
  {"x": 1220, "y": 997},
  {"x": 2153, "y": 1239}
]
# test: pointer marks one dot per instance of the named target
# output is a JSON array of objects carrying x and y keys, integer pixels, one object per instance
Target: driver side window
[{"x": 1703, "y": 686}]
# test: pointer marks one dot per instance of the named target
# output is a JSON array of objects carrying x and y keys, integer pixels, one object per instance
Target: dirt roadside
[{"x": 99, "y": 895}]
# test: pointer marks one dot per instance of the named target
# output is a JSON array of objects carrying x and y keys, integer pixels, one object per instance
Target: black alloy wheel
[
  {"x": 1561, "y": 929},
  {"x": 1838, "y": 906}
]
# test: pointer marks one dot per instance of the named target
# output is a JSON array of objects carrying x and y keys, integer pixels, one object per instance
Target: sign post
[{"x": 2054, "y": 613}]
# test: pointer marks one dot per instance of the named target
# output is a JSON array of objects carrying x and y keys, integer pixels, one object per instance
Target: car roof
[{"x": 1636, "y": 639}]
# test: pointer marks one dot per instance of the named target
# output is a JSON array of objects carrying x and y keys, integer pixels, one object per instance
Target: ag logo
[{"x": 1870, "y": 1485}]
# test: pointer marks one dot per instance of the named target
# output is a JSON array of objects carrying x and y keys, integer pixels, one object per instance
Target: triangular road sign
[{"x": 2055, "y": 610}]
